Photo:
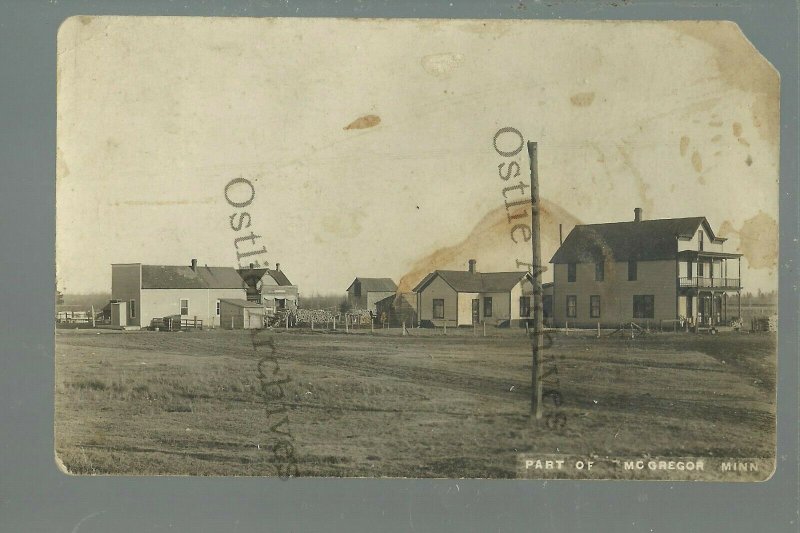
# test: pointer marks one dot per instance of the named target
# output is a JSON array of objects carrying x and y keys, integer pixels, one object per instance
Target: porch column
[
  {"x": 725, "y": 307},
  {"x": 713, "y": 314},
  {"x": 739, "y": 298}
]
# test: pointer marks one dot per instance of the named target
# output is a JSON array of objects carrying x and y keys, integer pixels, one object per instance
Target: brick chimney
[
  {"x": 194, "y": 265},
  {"x": 472, "y": 264},
  {"x": 637, "y": 214},
  {"x": 278, "y": 267}
]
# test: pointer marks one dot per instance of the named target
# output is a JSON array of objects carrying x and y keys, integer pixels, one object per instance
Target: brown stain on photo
[
  {"x": 366, "y": 121},
  {"x": 582, "y": 99},
  {"x": 741, "y": 66},
  {"x": 697, "y": 161},
  {"x": 758, "y": 239},
  {"x": 684, "y": 145},
  {"x": 489, "y": 233}
]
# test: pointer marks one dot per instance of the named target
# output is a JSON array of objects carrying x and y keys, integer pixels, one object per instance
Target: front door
[
  {"x": 704, "y": 310},
  {"x": 476, "y": 311}
]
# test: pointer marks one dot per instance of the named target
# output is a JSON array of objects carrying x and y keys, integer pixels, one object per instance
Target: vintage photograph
[{"x": 415, "y": 248}]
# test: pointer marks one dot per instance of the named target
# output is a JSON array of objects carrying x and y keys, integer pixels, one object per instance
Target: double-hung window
[
  {"x": 438, "y": 308},
  {"x": 643, "y": 306},
  {"x": 594, "y": 306},
  {"x": 572, "y": 306}
]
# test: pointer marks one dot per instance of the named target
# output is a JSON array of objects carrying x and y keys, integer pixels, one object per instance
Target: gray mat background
[{"x": 35, "y": 496}]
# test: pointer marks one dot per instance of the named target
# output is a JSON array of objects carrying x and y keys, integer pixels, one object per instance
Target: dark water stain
[
  {"x": 697, "y": 161},
  {"x": 684, "y": 145},
  {"x": 758, "y": 239},
  {"x": 582, "y": 99},
  {"x": 741, "y": 66},
  {"x": 489, "y": 233},
  {"x": 367, "y": 121}
]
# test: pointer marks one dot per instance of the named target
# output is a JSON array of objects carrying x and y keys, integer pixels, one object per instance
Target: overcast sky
[{"x": 157, "y": 115}]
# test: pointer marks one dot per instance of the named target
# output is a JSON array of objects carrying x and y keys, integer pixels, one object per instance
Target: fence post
[
  {"x": 484, "y": 328},
  {"x": 404, "y": 328},
  {"x": 566, "y": 327},
  {"x": 312, "y": 324},
  {"x": 346, "y": 324},
  {"x": 445, "y": 328},
  {"x": 598, "y": 330},
  {"x": 372, "y": 325}
]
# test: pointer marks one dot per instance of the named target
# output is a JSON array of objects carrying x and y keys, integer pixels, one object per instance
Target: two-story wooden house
[{"x": 645, "y": 271}]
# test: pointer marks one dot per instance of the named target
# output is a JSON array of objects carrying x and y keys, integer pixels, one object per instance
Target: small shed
[
  {"x": 365, "y": 293},
  {"x": 241, "y": 314}
]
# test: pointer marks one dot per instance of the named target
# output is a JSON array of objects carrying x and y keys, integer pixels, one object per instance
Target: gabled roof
[
  {"x": 646, "y": 240},
  {"x": 183, "y": 277},
  {"x": 279, "y": 277},
  {"x": 251, "y": 276},
  {"x": 255, "y": 274},
  {"x": 465, "y": 281},
  {"x": 375, "y": 284},
  {"x": 240, "y": 303}
]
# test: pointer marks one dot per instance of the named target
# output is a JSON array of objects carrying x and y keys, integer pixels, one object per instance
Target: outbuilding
[
  {"x": 365, "y": 293},
  {"x": 241, "y": 314}
]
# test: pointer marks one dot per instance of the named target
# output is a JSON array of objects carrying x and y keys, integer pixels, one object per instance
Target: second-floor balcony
[{"x": 710, "y": 283}]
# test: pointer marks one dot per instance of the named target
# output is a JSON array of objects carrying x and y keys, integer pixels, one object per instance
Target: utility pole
[{"x": 537, "y": 342}]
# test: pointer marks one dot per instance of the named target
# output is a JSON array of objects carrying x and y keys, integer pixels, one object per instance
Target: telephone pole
[{"x": 537, "y": 342}]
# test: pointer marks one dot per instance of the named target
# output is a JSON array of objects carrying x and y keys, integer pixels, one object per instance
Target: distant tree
[
  {"x": 345, "y": 306},
  {"x": 59, "y": 297}
]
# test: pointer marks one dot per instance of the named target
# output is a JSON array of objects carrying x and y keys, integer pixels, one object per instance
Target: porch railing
[{"x": 710, "y": 283}]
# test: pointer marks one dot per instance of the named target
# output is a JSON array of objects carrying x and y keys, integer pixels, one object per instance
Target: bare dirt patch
[{"x": 423, "y": 405}]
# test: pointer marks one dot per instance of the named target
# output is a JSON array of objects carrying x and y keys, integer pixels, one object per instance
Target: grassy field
[{"x": 424, "y": 405}]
